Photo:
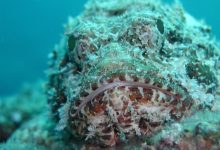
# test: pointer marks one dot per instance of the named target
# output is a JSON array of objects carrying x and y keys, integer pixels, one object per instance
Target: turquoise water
[{"x": 29, "y": 30}]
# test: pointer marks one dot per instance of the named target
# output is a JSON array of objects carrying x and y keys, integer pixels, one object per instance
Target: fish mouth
[
  {"x": 119, "y": 84},
  {"x": 135, "y": 105}
]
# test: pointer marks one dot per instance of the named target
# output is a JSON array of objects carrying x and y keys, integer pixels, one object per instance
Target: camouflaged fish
[{"x": 128, "y": 68}]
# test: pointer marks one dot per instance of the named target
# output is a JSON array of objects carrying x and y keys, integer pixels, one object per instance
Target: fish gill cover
[{"x": 129, "y": 74}]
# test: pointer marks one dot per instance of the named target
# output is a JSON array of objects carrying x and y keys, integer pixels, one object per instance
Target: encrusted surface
[
  {"x": 129, "y": 74},
  {"x": 17, "y": 109},
  {"x": 130, "y": 68}
]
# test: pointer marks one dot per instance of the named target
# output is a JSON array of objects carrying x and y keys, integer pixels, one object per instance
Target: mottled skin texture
[
  {"x": 130, "y": 68},
  {"x": 130, "y": 73},
  {"x": 108, "y": 86}
]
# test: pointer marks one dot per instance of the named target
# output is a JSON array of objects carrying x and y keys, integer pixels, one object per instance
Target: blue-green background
[{"x": 29, "y": 30}]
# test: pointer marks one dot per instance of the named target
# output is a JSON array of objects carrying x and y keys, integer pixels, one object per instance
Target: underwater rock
[
  {"x": 37, "y": 133},
  {"x": 16, "y": 110},
  {"x": 127, "y": 69},
  {"x": 195, "y": 132}
]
